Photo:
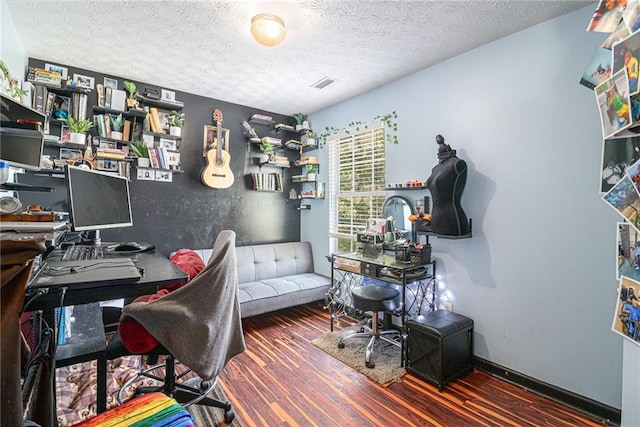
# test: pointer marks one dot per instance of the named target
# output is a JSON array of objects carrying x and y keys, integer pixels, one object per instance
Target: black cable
[{"x": 38, "y": 294}]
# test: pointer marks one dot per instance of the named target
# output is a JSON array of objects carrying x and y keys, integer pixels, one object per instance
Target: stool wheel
[
  {"x": 229, "y": 416},
  {"x": 370, "y": 364},
  {"x": 204, "y": 385},
  {"x": 340, "y": 344}
]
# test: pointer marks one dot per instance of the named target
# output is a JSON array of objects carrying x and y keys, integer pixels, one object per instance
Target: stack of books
[
  {"x": 111, "y": 153},
  {"x": 267, "y": 181},
  {"x": 42, "y": 76},
  {"x": 281, "y": 161}
]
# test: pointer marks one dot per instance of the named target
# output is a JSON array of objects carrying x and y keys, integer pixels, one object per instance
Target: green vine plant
[{"x": 388, "y": 119}]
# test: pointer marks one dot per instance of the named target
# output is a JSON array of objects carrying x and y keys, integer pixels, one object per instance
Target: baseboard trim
[{"x": 568, "y": 398}]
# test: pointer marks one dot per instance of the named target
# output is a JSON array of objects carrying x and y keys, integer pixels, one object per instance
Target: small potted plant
[
  {"x": 176, "y": 122},
  {"x": 312, "y": 170},
  {"x": 300, "y": 119},
  {"x": 117, "y": 123},
  {"x": 310, "y": 138},
  {"x": 141, "y": 151},
  {"x": 78, "y": 130},
  {"x": 268, "y": 151},
  {"x": 132, "y": 92}
]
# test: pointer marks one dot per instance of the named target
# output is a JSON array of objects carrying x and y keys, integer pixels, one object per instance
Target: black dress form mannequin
[{"x": 446, "y": 184}]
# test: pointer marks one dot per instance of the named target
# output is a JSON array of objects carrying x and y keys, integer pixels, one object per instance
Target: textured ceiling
[{"x": 205, "y": 47}]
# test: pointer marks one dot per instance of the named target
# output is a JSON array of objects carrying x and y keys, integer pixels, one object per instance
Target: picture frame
[
  {"x": 164, "y": 176},
  {"x": 209, "y": 141},
  {"x": 146, "y": 175},
  {"x": 168, "y": 143},
  {"x": 109, "y": 165},
  {"x": 109, "y": 82},
  {"x": 173, "y": 159},
  {"x": 57, "y": 68},
  {"x": 65, "y": 134},
  {"x": 167, "y": 95},
  {"x": 164, "y": 119},
  {"x": 70, "y": 154},
  {"x": 84, "y": 81}
]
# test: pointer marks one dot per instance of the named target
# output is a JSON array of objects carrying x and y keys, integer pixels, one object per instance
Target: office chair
[
  {"x": 374, "y": 299},
  {"x": 198, "y": 324}
]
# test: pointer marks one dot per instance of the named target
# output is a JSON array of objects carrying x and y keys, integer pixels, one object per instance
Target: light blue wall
[
  {"x": 538, "y": 276},
  {"x": 12, "y": 49}
]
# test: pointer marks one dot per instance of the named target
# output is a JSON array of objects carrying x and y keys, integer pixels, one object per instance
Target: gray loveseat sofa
[{"x": 275, "y": 276}]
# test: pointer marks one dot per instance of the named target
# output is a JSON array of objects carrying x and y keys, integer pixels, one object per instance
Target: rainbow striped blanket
[{"x": 149, "y": 410}]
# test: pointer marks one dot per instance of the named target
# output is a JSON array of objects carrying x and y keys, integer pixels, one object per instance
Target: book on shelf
[
  {"x": 261, "y": 117},
  {"x": 126, "y": 130},
  {"x": 99, "y": 122},
  {"x": 283, "y": 126},
  {"x": 42, "y": 76},
  {"x": 48, "y": 109},
  {"x": 271, "y": 140},
  {"x": 40, "y": 101},
  {"x": 107, "y": 97},
  {"x": 107, "y": 125}
]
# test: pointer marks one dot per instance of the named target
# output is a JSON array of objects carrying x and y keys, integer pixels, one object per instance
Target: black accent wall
[{"x": 187, "y": 214}]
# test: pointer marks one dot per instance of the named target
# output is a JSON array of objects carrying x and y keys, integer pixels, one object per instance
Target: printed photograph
[
  {"x": 109, "y": 82},
  {"x": 625, "y": 55},
  {"x": 65, "y": 134},
  {"x": 70, "y": 154},
  {"x": 146, "y": 175},
  {"x": 614, "y": 104},
  {"x": 107, "y": 165},
  {"x": 626, "y": 318},
  {"x": 164, "y": 176},
  {"x": 599, "y": 68},
  {"x": 631, "y": 16},
  {"x": 84, "y": 81},
  {"x": 57, "y": 69},
  {"x": 619, "y": 34},
  {"x": 624, "y": 199},
  {"x": 169, "y": 144},
  {"x": 607, "y": 16},
  {"x": 628, "y": 252},
  {"x": 618, "y": 154},
  {"x": 634, "y": 173},
  {"x": 168, "y": 95}
]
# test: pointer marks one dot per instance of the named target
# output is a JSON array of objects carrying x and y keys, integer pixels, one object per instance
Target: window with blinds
[{"x": 356, "y": 183}]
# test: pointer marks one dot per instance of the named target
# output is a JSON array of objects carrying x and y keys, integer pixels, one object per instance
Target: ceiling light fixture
[{"x": 268, "y": 29}]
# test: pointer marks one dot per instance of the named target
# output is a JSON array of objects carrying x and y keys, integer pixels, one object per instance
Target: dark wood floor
[{"x": 284, "y": 380}]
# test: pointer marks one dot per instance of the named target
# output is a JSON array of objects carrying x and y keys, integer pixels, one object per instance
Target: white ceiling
[{"x": 205, "y": 47}]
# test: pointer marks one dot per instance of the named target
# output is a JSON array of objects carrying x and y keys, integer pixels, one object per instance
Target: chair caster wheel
[
  {"x": 340, "y": 344},
  {"x": 204, "y": 385},
  {"x": 229, "y": 416},
  {"x": 370, "y": 364}
]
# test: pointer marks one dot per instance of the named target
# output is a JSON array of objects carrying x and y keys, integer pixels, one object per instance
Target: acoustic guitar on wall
[{"x": 217, "y": 173}]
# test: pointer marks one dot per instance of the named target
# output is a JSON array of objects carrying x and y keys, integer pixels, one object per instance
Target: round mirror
[{"x": 399, "y": 208}]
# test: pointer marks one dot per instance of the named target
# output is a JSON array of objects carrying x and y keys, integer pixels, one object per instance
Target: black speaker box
[{"x": 439, "y": 347}]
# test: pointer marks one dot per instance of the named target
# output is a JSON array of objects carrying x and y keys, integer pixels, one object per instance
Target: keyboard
[{"x": 82, "y": 252}]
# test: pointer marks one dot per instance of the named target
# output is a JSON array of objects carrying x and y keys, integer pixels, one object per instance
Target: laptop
[
  {"x": 32, "y": 226},
  {"x": 86, "y": 274}
]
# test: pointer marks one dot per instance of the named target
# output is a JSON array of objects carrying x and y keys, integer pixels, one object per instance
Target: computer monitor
[
  {"x": 22, "y": 148},
  {"x": 54, "y": 201},
  {"x": 97, "y": 200}
]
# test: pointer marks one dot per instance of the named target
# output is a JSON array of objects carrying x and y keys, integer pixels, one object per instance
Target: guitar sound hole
[{"x": 219, "y": 162}]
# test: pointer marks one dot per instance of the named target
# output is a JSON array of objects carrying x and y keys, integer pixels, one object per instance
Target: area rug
[
  {"x": 386, "y": 356},
  {"x": 206, "y": 416}
]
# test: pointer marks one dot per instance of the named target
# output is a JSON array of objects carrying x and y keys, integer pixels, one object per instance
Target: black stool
[
  {"x": 373, "y": 298},
  {"x": 440, "y": 346}
]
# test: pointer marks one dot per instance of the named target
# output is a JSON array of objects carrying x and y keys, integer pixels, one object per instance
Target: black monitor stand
[{"x": 91, "y": 237}]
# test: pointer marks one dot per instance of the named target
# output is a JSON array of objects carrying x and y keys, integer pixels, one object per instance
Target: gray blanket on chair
[{"x": 199, "y": 323}]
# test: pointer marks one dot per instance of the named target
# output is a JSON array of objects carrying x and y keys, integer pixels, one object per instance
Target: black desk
[{"x": 158, "y": 271}]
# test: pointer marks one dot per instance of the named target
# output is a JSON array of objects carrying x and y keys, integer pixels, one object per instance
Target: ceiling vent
[{"x": 323, "y": 82}]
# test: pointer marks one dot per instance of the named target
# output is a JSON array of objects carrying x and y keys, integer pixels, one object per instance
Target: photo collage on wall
[{"x": 613, "y": 75}]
